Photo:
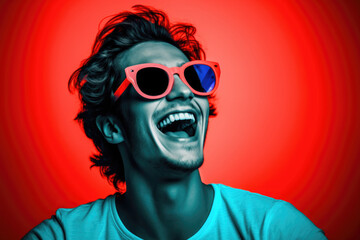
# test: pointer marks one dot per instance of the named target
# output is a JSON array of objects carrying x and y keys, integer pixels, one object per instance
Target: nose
[{"x": 179, "y": 90}]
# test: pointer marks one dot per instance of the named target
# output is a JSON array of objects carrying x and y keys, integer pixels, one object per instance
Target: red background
[{"x": 288, "y": 103}]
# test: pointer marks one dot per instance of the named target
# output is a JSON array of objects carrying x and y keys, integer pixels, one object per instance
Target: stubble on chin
[{"x": 184, "y": 165}]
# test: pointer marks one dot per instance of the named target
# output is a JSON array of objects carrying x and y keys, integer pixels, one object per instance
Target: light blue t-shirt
[{"x": 235, "y": 214}]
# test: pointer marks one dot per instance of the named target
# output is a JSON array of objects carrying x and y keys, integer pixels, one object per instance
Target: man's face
[{"x": 151, "y": 148}]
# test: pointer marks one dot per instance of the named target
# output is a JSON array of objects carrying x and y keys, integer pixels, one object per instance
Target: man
[{"x": 145, "y": 92}]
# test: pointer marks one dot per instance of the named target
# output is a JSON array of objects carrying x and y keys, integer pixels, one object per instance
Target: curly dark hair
[{"x": 96, "y": 79}]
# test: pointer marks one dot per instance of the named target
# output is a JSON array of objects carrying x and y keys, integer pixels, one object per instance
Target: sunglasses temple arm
[{"x": 121, "y": 88}]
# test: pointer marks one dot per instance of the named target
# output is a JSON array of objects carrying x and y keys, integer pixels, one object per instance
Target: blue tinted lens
[{"x": 200, "y": 77}]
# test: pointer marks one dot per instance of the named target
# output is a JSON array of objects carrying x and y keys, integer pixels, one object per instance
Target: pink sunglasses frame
[{"x": 131, "y": 72}]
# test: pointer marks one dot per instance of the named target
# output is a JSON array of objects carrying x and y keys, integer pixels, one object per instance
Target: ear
[{"x": 109, "y": 127}]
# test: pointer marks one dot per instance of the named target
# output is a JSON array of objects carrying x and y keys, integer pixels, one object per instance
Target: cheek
[
  {"x": 205, "y": 109},
  {"x": 136, "y": 119},
  {"x": 204, "y": 106}
]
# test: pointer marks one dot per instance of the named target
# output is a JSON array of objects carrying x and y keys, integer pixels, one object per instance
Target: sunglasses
[{"x": 154, "y": 81}]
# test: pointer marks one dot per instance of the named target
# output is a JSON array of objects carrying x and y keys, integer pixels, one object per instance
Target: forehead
[{"x": 152, "y": 52}]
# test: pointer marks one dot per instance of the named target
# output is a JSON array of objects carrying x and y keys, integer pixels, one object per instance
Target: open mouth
[{"x": 178, "y": 125}]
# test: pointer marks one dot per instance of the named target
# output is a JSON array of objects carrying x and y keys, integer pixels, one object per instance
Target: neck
[{"x": 165, "y": 209}]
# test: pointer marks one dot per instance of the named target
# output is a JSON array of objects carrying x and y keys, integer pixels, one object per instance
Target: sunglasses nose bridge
[
  {"x": 175, "y": 74},
  {"x": 179, "y": 88},
  {"x": 174, "y": 70}
]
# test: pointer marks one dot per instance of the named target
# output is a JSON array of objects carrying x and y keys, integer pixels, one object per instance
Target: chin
[{"x": 184, "y": 164}]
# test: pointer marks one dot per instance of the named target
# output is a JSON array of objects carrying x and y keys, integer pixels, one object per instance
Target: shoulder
[
  {"x": 244, "y": 206},
  {"x": 286, "y": 221},
  {"x": 89, "y": 212},
  {"x": 265, "y": 215},
  {"x": 72, "y": 220},
  {"x": 244, "y": 200}
]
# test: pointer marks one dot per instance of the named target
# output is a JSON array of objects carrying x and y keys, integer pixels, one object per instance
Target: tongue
[{"x": 179, "y": 134}]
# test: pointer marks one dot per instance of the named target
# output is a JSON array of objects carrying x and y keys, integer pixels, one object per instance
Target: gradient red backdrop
[{"x": 288, "y": 103}]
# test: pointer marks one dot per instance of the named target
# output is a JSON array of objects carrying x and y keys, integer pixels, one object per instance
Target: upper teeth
[{"x": 176, "y": 117}]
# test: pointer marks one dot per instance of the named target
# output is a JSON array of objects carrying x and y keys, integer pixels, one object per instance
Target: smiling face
[{"x": 166, "y": 135}]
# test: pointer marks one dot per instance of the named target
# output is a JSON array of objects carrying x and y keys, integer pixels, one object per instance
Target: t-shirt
[{"x": 235, "y": 214}]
